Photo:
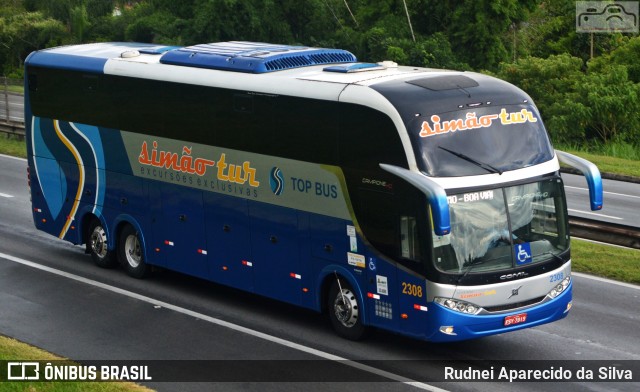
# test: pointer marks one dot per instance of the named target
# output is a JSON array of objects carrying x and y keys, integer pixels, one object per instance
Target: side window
[
  {"x": 394, "y": 223},
  {"x": 413, "y": 227},
  {"x": 409, "y": 239},
  {"x": 378, "y": 221},
  {"x": 368, "y": 138}
]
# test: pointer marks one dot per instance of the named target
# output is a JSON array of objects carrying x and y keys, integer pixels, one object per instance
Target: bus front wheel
[
  {"x": 130, "y": 253},
  {"x": 97, "y": 242},
  {"x": 345, "y": 311}
]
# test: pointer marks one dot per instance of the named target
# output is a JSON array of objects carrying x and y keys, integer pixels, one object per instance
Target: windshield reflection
[
  {"x": 474, "y": 141},
  {"x": 503, "y": 228}
]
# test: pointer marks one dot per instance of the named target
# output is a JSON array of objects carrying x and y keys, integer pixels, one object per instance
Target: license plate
[{"x": 515, "y": 319}]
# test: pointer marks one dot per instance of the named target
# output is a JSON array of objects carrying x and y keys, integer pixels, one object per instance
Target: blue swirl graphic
[{"x": 276, "y": 180}]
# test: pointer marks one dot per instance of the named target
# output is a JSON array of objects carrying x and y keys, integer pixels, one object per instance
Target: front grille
[{"x": 502, "y": 308}]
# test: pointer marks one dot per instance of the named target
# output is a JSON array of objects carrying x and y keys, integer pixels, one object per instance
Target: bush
[
  {"x": 578, "y": 106},
  {"x": 553, "y": 84},
  {"x": 612, "y": 104}
]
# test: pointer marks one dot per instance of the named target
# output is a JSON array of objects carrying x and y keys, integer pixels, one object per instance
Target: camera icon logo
[{"x": 607, "y": 17}]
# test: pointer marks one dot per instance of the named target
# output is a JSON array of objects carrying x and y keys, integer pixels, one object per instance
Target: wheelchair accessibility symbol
[{"x": 523, "y": 253}]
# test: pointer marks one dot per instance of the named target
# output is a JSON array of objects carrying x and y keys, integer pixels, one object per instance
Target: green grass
[
  {"x": 12, "y": 146},
  {"x": 11, "y": 350},
  {"x": 611, "y": 149},
  {"x": 16, "y": 89},
  {"x": 617, "y": 158},
  {"x": 611, "y": 262},
  {"x": 608, "y": 164}
]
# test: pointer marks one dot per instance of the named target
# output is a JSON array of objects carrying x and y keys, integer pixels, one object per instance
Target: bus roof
[
  {"x": 285, "y": 61},
  {"x": 89, "y": 57},
  {"x": 253, "y": 57}
]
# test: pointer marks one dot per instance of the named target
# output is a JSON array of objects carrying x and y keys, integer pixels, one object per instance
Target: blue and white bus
[{"x": 425, "y": 202}]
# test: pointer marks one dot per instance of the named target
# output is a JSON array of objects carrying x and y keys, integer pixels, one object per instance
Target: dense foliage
[{"x": 531, "y": 43}]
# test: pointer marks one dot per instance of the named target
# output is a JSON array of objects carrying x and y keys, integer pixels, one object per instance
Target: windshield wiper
[
  {"x": 476, "y": 262},
  {"x": 470, "y": 265},
  {"x": 555, "y": 256},
  {"x": 467, "y": 158}
]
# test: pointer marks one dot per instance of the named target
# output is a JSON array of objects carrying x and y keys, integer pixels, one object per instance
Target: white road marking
[
  {"x": 595, "y": 213},
  {"x": 5, "y": 195},
  {"x": 605, "y": 280},
  {"x": 11, "y": 157},
  {"x": 226, "y": 324},
  {"x": 609, "y": 193}
]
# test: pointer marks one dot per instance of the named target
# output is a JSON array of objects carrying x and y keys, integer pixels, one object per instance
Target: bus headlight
[
  {"x": 560, "y": 287},
  {"x": 457, "y": 305}
]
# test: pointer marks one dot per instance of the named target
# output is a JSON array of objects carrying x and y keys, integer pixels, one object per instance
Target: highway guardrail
[
  {"x": 12, "y": 128},
  {"x": 610, "y": 233}
]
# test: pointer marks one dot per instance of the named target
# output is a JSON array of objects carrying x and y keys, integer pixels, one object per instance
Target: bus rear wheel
[
  {"x": 97, "y": 246},
  {"x": 345, "y": 311},
  {"x": 130, "y": 253}
]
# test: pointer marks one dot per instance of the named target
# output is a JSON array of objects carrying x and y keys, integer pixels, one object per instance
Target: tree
[
  {"x": 578, "y": 106},
  {"x": 435, "y": 52},
  {"x": 23, "y": 33},
  {"x": 79, "y": 21},
  {"x": 553, "y": 84},
  {"x": 627, "y": 54},
  {"x": 613, "y": 104},
  {"x": 551, "y": 29},
  {"x": 476, "y": 29}
]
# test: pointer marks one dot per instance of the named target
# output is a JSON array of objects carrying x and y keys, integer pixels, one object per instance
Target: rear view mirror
[
  {"x": 592, "y": 174},
  {"x": 436, "y": 196}
]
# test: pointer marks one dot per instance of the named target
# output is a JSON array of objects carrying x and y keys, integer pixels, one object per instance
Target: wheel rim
[
  {"x": 345, "y": 308},
  {"x": 132, "y": 251},
  {"x": 98, "y": 242}
]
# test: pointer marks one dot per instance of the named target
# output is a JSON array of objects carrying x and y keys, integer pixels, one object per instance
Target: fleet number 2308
[{"x": 412, "y": 289}]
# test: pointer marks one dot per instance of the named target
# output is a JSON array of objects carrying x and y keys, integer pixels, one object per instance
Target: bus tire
[
  {"x": 131, "y": 254},
  {"x": 345, "y": 311},
  {"x": 97, "y": 246}
]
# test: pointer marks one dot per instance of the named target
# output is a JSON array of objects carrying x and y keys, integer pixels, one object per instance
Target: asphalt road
[
  {"x": 16, "y": 107},
  {"x": 52, "y": 296},
  {"x": 621, "y": 200}
]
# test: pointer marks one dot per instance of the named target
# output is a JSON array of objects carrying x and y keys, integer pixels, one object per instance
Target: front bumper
[{"x": 466, "y": 326}]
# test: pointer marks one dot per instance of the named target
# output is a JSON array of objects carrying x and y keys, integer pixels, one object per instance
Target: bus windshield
[
  {"x": 480, "y": 141},
  {"x": 503, "y": 228}
]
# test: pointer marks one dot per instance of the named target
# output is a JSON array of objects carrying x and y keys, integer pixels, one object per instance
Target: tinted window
[
  {"x": 289, "y": 127},
  {"x": 480, "y": 141}
]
